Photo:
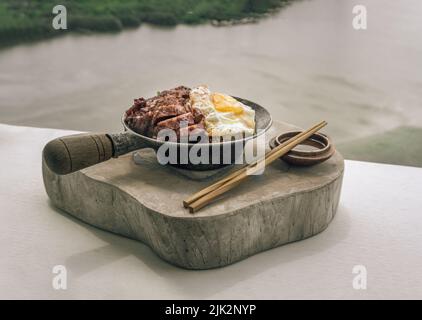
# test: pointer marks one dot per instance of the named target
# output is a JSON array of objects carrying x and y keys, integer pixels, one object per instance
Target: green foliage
[
  {"x": 95, "y": 23},
  {"x": 31, "y": 19}
]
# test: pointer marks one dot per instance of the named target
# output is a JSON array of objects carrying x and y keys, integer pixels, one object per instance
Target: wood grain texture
[
  {"x": 72, "y": 153},
  {"x": 283, "y": 205}
]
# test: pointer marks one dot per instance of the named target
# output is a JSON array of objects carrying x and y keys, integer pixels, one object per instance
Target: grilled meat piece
[
  {"x": 167, "y": 110},
  {"x": 176, "y": 123}
]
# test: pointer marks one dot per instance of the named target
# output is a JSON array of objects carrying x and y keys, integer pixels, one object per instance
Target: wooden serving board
[{"x": 144, "y": 202}]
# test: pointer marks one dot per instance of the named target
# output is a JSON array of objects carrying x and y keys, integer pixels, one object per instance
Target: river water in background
[{"x": 304, "y": 64}]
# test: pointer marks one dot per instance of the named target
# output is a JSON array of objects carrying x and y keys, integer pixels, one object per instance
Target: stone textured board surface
[{"x": 144, "y": 202}]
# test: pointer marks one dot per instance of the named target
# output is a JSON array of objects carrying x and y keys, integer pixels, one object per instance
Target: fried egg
[{"x": 224, "y": 115}]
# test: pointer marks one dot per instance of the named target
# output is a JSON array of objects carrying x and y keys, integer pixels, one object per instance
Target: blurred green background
[{"x": 22, "y": 20}]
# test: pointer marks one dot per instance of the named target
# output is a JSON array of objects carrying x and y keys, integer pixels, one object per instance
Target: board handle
[{"x": 72, "y": 153}]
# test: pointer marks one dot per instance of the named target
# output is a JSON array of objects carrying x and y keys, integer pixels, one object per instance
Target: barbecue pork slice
[{"x": 167, "y": 110}]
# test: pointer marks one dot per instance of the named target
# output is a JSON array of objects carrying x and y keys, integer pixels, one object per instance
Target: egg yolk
[{"x": 224, "y": 103}]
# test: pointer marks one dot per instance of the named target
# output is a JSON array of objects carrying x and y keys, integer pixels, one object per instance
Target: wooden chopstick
[
  {"x": 219, "y": 183},
  {"x": 291, "y": 143},
  {"x": 244, "y": 173}
]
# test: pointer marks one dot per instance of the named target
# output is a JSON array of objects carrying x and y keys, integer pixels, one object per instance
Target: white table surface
[{"x": 378, "y": 225}]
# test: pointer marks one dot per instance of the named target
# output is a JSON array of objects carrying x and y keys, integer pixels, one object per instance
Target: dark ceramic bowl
[{"x": 322, "y": 149}]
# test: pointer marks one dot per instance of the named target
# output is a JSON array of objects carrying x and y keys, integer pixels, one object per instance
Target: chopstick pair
[{"x": 208, "y": 194}]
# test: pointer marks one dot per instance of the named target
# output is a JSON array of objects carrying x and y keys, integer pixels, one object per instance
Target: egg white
[{"x": 225, "y": 123}]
